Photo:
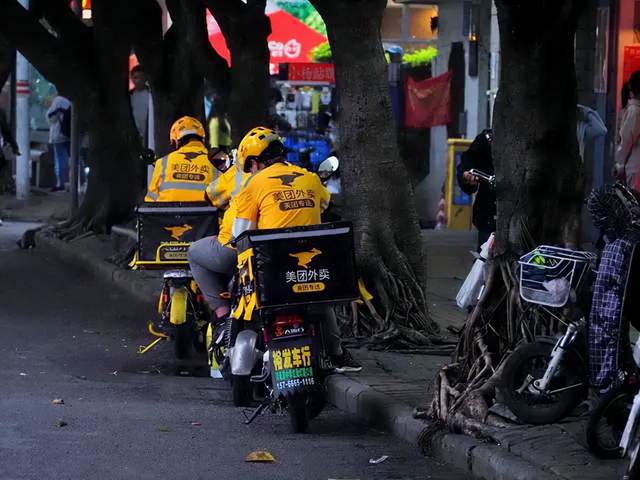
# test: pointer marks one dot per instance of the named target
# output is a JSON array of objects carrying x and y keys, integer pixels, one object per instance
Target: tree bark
[
  {"x": 7, "y": 61},
  {"x": 540, "y": 190},
  {"x": 535, "y": 147},
  {"x": 90, "y": 67},
  {"x": 376, "y": 186},
  {"x": 177, "y": 63},
  {"x": 245, "y": 28}
]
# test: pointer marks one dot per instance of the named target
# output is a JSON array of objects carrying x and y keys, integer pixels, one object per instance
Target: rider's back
[
  {"x": 282, "y": 195},
  {"x": 181, "y": 176}
]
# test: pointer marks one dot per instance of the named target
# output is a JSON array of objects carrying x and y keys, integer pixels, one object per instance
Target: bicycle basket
[{"x": 549, "y": 274}]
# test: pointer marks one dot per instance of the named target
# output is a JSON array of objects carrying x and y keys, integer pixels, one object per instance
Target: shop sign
[{"x": 311, "y": 72}]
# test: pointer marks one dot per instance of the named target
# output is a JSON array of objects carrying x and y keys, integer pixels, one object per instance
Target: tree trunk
[
  {"x": 7, "y": 61},
  {"x": 115, "y": 146},
  {"x": 535, "y": 147},
  {"x": 376, "y": 187},
  {"x": 245, "y": 28},
  {"x": 177, "y": 63},
  {"x": 539, "y": 193},
  {"x": 90, "y": 67}
]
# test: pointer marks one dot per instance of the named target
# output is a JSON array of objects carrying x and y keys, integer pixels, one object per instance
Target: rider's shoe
[{"x": 345, "y": 363}]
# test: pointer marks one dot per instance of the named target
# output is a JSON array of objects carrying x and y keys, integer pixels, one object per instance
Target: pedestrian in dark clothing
[
  {"x": 6, "y": 138},
  {"x": 478, "y": 156}
]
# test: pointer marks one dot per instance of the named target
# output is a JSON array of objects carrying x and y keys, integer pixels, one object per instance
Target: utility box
[{"x": 458, "y": 204}]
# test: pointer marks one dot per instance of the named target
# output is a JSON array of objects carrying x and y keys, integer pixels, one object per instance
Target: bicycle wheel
[
  {"x": 529, "y": 362},
  {"x": 607, "y": 422}
]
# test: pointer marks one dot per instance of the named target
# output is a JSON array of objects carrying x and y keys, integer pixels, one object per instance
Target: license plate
[{"x": 292, "y": 364}]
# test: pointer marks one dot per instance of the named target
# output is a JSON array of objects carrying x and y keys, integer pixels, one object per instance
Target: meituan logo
[
  {"x": 179, "y": 231},
  {"x": 288, "y": 179},
  {"x": 305, "y": 258}
]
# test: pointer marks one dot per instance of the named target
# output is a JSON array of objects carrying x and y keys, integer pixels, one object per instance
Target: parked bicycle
[{"x": 544, "y": 379}]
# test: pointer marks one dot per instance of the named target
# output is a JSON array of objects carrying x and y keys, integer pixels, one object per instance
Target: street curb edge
[
  {"x": 378, "y": 410},
  {"x": 124, "y": 279}
]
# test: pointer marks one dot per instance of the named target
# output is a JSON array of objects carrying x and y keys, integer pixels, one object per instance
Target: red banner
[
  {"x": 631, "y": 61},
  {"x": 312, "y": 72},
  {"x": 428, "y": 102}
]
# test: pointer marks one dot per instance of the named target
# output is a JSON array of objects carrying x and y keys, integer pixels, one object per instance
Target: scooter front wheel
[
  {"x": 531, "y": 405},
  {"x": 607, "y": 422}
]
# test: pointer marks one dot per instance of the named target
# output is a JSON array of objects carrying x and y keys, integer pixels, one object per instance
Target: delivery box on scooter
[
  {"x": 289, "y": 266},
  {"x": 165, "y": 231}
]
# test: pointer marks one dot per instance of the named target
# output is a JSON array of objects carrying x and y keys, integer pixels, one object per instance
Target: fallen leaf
[
  {"x": 57, "y": 401},
  {"x": 62, "y": 423},
  {"x": 195, "y": 424},
  {"x": 376, "y": 461},
  {"x": 163, "y": 429},
  {"x": 260, "y": 456}
]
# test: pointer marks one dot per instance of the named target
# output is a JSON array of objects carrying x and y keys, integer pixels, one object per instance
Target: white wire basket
[{"x": 548, "y": 274}]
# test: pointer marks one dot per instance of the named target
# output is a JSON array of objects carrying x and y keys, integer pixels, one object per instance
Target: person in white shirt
[
  {"x": 59, "y": 118},
  {"x": 140, "y": 102},
  {"x": 627, "y": 164}
]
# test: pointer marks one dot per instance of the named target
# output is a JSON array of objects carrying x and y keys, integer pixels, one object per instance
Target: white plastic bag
[{"x": 470, "y": 290}]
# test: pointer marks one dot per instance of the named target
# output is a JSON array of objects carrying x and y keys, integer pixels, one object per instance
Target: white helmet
[{"x": 328, "y": 167}]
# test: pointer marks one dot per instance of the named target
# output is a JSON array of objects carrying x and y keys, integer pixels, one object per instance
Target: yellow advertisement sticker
[{"x": 308, "y": 287}]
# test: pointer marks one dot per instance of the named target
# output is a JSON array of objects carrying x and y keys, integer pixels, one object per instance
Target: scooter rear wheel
[
  {"x": 533, "y": 406},
  {"x": 633, "y": 471},
  {"x": 242, "y": 390},
  {"x": 297, "y": 407}
]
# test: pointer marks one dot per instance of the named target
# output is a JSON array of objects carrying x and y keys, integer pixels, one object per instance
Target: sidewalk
[
  {"x": 42, "y": 206},
  {"x": 385, "y": 393}
]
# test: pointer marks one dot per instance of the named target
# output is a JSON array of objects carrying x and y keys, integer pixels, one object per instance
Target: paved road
[{"x": 64, "y": 335}]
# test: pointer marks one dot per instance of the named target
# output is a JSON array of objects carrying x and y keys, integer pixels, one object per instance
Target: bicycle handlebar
[{"x": 480, "y": 175}]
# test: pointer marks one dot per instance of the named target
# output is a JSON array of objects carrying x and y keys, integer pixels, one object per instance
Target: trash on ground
[
  {"x": 22, "y": 374},
  {"x": 62, "y": 423},
  {"x": 57, "y": 401},
  {"x": 260, "y": 456},
  {"x": 163, "y": 429},
  {"x": 376, "y": 461},
  {"x": 195, "y": 424}
]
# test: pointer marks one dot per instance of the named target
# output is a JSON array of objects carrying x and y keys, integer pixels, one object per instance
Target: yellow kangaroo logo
[
  {"x": 179, "y": 231},
  {"x": 304, "y": 258}
]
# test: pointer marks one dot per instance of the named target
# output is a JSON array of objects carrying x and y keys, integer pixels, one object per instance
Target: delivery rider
[
  {"x": 183, "y": 175},
  {"x": 281, "y": 195}
]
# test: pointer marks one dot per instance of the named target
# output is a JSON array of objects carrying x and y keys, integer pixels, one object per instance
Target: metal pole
[{"x": 22, "y": 124}]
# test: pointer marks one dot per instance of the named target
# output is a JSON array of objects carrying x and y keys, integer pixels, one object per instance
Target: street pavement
[{"x": 66, "y": 335}]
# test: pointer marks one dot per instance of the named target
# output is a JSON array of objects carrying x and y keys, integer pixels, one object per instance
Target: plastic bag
[{"x": 470, "y": 290}]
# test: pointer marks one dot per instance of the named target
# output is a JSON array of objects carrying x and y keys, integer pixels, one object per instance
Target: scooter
[
  {"x": 164, "y": 233},
  {"x": 623, "y": 437},
  {"x": 287, "y": 281}
]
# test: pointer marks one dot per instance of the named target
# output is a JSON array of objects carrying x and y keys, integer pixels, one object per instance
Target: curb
[
  {"x": 128, "y": 281},
  {"x": 482, "y": 460}
]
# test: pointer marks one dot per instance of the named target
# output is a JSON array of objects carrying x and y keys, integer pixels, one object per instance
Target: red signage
[
  {"x": 631, "y": 61},
  {"x": 311, "y": 72},
  {"x": 290, "y": 40}
]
